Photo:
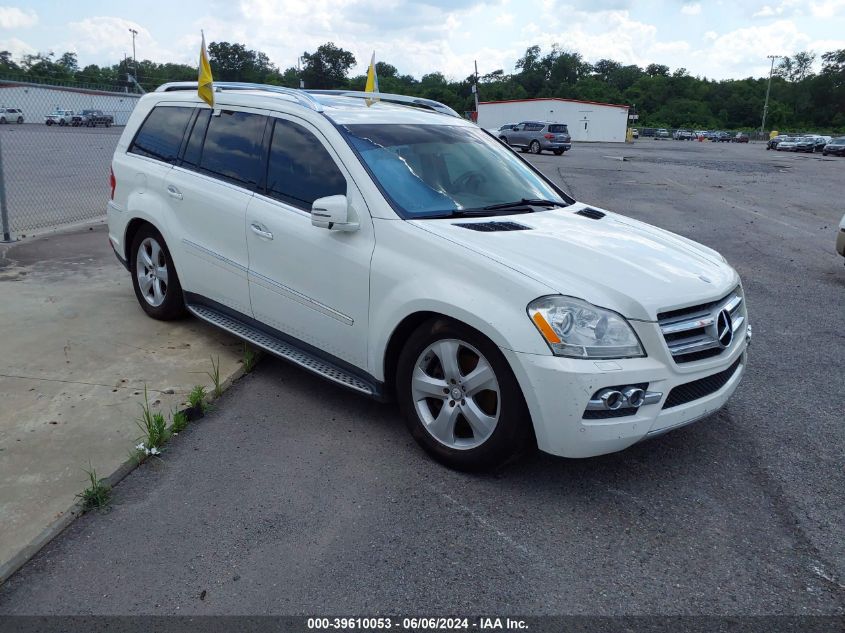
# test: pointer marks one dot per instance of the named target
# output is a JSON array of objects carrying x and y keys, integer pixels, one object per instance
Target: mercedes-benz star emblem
[{"x": 725, "y": 329}]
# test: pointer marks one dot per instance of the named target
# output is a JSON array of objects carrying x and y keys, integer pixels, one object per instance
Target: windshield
[{"x": 443, "y": 170}]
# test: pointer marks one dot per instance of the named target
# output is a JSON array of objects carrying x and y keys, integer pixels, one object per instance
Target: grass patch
[
  {"x": 97, "y": 495},
  {"x": 153, "y": 428},
  {"x": 214, "y": 374},
  {"x": 249, "y": 358},
  {"x": 179, "y": 422},
  {"x": 197, "y": 399}
]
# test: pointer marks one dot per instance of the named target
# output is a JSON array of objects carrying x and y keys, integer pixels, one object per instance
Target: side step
[{"x": 282, "y": 349}]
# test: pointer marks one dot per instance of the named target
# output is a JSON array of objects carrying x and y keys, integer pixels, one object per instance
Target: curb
[{"x": 9, "y": 567}]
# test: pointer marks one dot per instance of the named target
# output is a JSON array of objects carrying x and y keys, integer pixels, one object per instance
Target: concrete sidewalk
[{"x": 77, "y": 351}]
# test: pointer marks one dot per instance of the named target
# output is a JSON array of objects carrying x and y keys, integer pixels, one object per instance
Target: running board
[{"x": 282, "y": 349}]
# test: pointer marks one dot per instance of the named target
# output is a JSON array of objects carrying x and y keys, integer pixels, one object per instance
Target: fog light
[
  {"x": 634, "y": 396},
  {"x": 611, "y": 399}
]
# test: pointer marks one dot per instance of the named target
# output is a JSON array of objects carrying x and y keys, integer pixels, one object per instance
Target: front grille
[
  {"x": 682, "y": 394},
  {"x": 705, "y": 330}
]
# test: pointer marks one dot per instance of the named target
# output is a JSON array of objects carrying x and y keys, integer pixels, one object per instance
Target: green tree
[{"x": 327, "y": 67}]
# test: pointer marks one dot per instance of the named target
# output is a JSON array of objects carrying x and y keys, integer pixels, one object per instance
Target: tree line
[{"x": 800, "y": 98}]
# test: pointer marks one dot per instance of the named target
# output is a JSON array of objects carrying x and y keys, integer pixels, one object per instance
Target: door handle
[
  {"x": 173, "y": 192},
  {"x": 260, "y": 232}
]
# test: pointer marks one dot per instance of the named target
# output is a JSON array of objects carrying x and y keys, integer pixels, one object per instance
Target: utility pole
[
  {"x": 768, "y": 90},
  {"x": 134, "y": 59},
  {"x": 475, "y": 91},
  {"x": 299, "y": 74}
]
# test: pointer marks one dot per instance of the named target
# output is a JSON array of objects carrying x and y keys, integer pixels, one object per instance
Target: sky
[{"x": 719, "y": 39}]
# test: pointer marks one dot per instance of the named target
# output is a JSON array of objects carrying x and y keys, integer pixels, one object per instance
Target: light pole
[
  {"x": 768, "y": 90},
  {"x": 134, "y": 59}
]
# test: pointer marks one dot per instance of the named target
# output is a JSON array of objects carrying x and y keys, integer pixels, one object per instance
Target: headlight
[{"x": 578, "y": 329}]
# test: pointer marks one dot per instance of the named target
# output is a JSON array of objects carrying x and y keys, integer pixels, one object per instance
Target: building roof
[{"x": 598, "y": 103}]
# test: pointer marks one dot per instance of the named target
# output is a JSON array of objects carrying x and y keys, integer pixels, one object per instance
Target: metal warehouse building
[
  {"x": 587, "y": 120},
  {"x": 36, "y": 100}
]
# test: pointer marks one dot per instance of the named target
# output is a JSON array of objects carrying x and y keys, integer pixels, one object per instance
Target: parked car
[
  {"x": 820, "y": 142},
  {"x": 805, "y": 144},
  {"x": 92, "y": 118},
  {"x": 836, "y": 147},
  {"x": 635, "y": 133},
  {"x": 403, "y": 253},
  {"x": 773, "y": 142},
  {"x": 59, "y": 117},
  {"x": 662, "y": 134},
  {"x": 11, "y": 115},
  {"x": 840, "y": 237},
  {"x": 740, "y": 137},
  {"x": 723, "y": 137},
  {"x": 788, "y": 144},
  {"x": 682, "y": 135},
  {"x": 536, "y": 136}
]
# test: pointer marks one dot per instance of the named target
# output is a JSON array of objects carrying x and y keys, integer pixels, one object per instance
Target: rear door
[{"x": 208, "y": 191}]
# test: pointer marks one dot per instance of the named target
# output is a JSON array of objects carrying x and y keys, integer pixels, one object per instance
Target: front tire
[
  {"x": 460, "y": 399},
  {"x": 154, "y": 277}
]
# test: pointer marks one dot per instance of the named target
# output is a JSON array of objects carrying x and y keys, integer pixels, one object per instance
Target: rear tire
[
  {"x": 535, "y": 147},
  {"x": 558, "y": 152},
  {"x": 467, "y": 411},
  {"x": 157, "y": 288}
]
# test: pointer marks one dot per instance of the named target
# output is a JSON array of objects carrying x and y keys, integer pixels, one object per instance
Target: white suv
[{"x": 400, "y": 251}]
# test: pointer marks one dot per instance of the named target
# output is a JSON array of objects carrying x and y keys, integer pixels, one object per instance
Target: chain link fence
[{"x": 56, "y": 174}]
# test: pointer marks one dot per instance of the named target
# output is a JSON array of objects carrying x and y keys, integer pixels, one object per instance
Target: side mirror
[{"x": 333, "y": 213}]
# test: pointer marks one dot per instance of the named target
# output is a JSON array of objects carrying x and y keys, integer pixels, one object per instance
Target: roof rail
[
  {"x": 442, "y": 108},
  {"x": 302, "y": 97}
]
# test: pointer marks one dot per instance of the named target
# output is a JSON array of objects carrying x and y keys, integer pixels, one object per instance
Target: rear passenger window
[
  {"x": 232, "y": 148},
  {"x": 193, "y": 152},
  {"x": 161, "y": 133},
  {"x": 300, "y": 169}
]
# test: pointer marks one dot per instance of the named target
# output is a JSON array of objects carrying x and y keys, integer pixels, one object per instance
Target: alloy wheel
[
  {"x": 151, "y": 271},
  {"x": 456, "y": 394}
]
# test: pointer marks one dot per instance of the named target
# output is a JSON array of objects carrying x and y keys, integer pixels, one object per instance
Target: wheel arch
[
  {"x": 132, "y": 228},
  {"x": 406, "y": 327}
]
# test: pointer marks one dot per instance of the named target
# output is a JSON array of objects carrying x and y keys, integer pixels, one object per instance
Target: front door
[{"x": 310, "y": 283}]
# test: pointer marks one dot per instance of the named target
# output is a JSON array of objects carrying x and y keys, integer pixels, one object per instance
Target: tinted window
[
  {"x": 232, "y": 148},
  {"x": 161, "y": 133},
  {"x": 558, "y": 129},
  {"x": 300, "y": 169},
  {"x": 193, "y": 151}
]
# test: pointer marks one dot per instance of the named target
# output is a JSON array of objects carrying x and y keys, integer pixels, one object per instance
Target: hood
[{"x": 614, "y": 262}]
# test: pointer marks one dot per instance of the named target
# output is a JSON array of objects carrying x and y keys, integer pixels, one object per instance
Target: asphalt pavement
[{"x": 296, "y": 497}]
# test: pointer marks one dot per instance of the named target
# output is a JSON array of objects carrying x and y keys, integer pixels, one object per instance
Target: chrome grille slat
[{"x": 691, "y": 332}]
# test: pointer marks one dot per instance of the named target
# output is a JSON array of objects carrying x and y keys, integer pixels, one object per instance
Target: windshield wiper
[{"x": 527, "y": 202}]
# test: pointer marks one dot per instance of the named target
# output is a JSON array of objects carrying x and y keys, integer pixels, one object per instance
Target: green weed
[{"x": 97, "y": 495}]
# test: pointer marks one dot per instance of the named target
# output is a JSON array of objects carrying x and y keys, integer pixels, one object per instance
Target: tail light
[
  {"x": 548, "y": 136},
  {"x": 112, "y": 183}
]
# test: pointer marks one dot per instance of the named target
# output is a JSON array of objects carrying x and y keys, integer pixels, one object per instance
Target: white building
[
  {"x": 37, "y": 100},
  {"x": 587, "y": 120}
]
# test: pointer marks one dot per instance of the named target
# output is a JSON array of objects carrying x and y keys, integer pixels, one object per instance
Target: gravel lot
[
  {"x": 56, "y": 176},
  {"x": 295, "y": 497}
]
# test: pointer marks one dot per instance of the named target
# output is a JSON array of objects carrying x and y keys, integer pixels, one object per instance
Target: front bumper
[{"x": 557, "y": 391}]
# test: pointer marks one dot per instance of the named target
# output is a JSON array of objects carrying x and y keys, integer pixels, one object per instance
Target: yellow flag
[
  {"x": 205, "y": 83},
  {"x": 372, "y": 78}
]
